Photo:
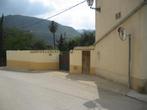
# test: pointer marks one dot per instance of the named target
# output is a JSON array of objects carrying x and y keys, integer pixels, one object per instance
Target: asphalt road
[{"x": 46, "y": 91}]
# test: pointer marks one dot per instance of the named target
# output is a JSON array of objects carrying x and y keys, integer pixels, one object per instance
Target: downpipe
[{"x": 130, "y": 62}]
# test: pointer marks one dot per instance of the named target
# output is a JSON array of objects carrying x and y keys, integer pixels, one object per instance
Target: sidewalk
[
  {"x": 137, "y": 96},
  {"x": 105, "y": 84},
  {"x": 121, "y": 89}
]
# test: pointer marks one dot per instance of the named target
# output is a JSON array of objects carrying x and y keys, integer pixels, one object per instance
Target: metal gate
[
  {"x": 2, "y": 58},
  {"x": 64, "y": 61}
]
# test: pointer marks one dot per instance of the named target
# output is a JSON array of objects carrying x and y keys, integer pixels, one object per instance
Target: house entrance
[{"x": 86, "y": 62}]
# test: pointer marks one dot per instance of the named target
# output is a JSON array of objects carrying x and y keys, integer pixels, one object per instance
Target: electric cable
[{"x": 39, "y": 21}]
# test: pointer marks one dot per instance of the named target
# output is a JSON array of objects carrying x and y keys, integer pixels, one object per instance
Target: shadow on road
[
  {"x": 93, "y": 104},
  {"x": 107, "y": 100}
]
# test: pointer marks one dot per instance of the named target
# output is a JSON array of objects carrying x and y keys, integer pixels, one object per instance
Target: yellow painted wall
[
  {"x": 33, "y": 60},
  {"x": 92, "y": 62},
  {"x": 76, "y": 62},
  {"x": 112, "y": 53},
  {"x": 112, "y": 58}
]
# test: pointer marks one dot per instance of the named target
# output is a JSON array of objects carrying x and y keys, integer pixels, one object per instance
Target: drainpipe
[
  {"x": 124, "y": 35},
  {"x": 130, "y": 62},
  {"x": 130, "y": 57}
]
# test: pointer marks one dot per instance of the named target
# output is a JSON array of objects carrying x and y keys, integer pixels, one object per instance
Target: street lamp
[
  {"x": 123, "y": 35},
  {"x": 90, "y": 3}
]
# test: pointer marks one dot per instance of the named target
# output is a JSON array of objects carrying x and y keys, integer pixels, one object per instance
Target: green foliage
[
  {"x": 87, "y": 38},
  {"x": 73, "y": 43},
  {"x": 53, "y": 27},
  {"x": 2, "y": 49},
  {"x": 61, "y": 43},
  {"x": 39, "y": 45},
  {"x": 19, "y": 40}
]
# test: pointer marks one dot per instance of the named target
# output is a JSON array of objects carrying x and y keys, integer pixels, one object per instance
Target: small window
[{"x": 118, "y": 15}]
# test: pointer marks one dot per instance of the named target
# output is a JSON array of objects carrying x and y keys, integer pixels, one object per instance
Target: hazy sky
[{"x": 81, "y": 17}]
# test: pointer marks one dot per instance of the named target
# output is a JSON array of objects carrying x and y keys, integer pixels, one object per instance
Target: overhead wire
[{"x": 59, "y": 13}]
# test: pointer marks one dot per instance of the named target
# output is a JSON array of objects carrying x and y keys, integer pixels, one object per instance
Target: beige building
[
  {"x": 113, "y": 53},
  {"x": 121, "y": 61}
]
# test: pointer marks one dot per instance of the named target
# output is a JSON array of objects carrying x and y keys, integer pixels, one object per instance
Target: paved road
[{"x": 54, "y": 91}]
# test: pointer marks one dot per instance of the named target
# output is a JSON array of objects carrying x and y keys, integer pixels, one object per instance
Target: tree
[
  {"x": 39, "y": 45},
  {"x": 61, "y": 43},
  {"x": 1, "y": 34},
  {"x": 2, "y": 47},
  {"x": 73, "y": 43},
  {"x": 87, "y": 38},
  {"x": 19, "y": 40},
  {"x": 53, "y": 28}
]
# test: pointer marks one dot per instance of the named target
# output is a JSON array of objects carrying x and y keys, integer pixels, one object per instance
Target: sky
[{"x": 80, "y": 17}]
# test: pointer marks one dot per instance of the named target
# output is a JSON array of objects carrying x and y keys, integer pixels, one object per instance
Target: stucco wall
[
  {"x": 109, "y": 8},
  {"x": 112, "y": 58},
  {"x": 92, "y": 62},
  {"x": 112, "y": 53},
  {"x": 144, "y": 57},
  {"x": 76, "y": 62},
  {"x": 34, "y": 60}
]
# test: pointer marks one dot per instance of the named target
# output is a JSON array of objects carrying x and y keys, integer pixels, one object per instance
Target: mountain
[{"x": 39, "y": 27}]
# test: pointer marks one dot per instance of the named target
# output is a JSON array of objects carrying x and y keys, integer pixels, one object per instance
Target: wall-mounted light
[{"x": 90, "y": 3}]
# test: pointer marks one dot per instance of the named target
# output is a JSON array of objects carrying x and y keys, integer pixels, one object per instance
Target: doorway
[{"x": 86, "y": 62}]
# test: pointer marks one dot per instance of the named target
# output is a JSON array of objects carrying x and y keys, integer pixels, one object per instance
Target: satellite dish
[
  {"x": 90, "y": 2},
  {"x": 123, "y": 33}
]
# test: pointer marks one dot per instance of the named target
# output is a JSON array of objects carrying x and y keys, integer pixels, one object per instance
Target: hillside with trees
[
  {"x": 39, "y": 27},
  {"x": 20, "y": 40},
  {"x": 16, "y": 39},
  {"x": 87, "y": 38}
]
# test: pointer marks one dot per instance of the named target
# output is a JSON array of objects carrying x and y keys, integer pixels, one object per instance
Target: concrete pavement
[
  {"x": 137, "y": 96},
  {"x": 58, "y": 91}
]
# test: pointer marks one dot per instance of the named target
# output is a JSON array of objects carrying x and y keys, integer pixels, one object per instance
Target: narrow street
[{"x": 58, "y": 91}]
